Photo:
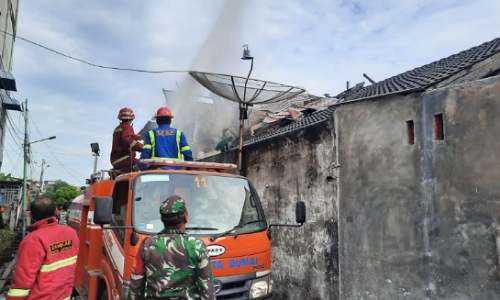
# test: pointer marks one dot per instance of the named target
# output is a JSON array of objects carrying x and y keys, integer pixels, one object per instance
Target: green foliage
[
  {"x": 6, "y": 237},
  {"x": 8, "y": 177},
  {"x": 61, "y": 192}
]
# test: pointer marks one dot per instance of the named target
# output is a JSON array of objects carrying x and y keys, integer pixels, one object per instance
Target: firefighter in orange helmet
[
  {"x": 165, "y": 142},
  {"x": 125, "y": 143}
]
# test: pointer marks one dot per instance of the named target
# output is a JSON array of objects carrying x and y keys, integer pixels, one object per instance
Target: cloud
[{"x": 315, "y": 44}]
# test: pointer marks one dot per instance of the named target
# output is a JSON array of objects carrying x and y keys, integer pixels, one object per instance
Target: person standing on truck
[
  {"x": 46, "y": 258},
  {"x": 165, "y": 142},
  {"x": 172, "y": 264},
  {"x": 125, "y": 143}
]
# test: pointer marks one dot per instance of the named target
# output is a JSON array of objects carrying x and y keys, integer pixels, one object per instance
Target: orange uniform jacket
[
  {"x": 46, "y": 262},
  {"x": 125, "y": 145}
]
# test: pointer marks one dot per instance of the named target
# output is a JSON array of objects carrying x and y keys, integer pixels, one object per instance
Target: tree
[
  {"x": 8, "y": 177},
  {"x": 61, "y": 192}
]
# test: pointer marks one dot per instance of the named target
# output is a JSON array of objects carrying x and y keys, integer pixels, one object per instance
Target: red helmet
[
  {"x": 164, "y": 112},
  {"x": 126, "y": 114}
]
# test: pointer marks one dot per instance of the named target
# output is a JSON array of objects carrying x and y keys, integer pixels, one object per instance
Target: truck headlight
[{"x": 261, "y": 287}]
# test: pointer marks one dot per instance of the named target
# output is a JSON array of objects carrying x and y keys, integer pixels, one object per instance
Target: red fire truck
[{"x": 115, "y": 215}]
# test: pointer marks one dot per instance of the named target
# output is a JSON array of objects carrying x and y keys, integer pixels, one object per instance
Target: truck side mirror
[
  {"x": 103, "y": 210},
  {"x": 300, "y": 217},
  {"x": 300, "y": 212}
]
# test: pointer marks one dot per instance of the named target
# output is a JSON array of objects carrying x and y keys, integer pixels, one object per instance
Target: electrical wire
[
  {"x": 93, "y": 64},
  {"x": 15, "y": 139},
  {"x": 12, "y": 127},
  {"x": 59, "y": 163},
  {"x": 15, "y": 164},
  {"x": 31, "y": 154},
  {"x": 87, "y": 63}
]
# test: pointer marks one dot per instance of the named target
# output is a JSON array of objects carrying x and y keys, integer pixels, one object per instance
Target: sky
[{"x": 73, "y": 60}]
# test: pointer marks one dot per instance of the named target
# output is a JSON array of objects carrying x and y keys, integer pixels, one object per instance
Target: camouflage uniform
[{"x": 172, "y": 264}]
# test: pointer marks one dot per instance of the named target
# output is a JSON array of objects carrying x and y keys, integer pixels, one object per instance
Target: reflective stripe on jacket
[
  {"x": 46, "y": 262},
  {"x": 125, "y": 143},
  {"x": 177, "y": 142},
  {"x": 166, "y": 142}
]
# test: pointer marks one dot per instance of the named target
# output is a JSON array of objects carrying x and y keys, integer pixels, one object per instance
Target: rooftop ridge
[{"x": 426, "y": 75}]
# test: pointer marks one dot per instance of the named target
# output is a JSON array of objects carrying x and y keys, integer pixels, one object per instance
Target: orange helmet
[
  {"x": 126, "y": 114},
  {"x": 164, "y": 112}
]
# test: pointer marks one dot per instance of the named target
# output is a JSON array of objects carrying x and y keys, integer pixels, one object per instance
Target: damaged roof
[
  {"x": 306, "y": 110},
  {"x": 308, "y": 120}
]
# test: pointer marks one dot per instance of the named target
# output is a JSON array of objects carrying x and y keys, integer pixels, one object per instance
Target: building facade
[
  {"x": 400, "y": 179},
  {"x": 8, "y": 28}
]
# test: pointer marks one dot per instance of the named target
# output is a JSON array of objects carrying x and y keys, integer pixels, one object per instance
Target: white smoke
[{"x": 203, "y": 123}]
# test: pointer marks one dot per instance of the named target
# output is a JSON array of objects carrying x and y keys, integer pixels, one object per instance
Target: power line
[
  {"x": 86, "y": 156},
  {"x": 12, "y": 125},
  {"x": 84, "y": 62},
  {"x": 14, "y": 165},
  {"x": 93, "y": 64},
  {"x": 15, "y": 141},
  {"x": 17, "y": 136},
  {"x": 55, "y": 161}
]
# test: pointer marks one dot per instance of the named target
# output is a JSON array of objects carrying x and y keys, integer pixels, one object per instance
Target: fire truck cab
[{"x": 116, "y": 215}]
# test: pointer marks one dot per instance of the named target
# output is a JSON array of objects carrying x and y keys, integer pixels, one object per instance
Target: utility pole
[
  {"x": 41, "y": 176},
  {"x": 26, "y": 145},
  {"x": 243, "y": 106},
  {"x": 26, "y": 157}
]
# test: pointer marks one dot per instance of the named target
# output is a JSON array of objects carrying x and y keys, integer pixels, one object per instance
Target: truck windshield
[{"x": 215, "y": 203}]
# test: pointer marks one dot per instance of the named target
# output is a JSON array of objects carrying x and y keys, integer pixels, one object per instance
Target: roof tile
[{"x": 426, "y": 75}]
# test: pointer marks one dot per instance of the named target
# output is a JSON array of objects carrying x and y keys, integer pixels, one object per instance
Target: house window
[
  {"x": 410, "y": 132},
  {"x": 438, "y": 127}
]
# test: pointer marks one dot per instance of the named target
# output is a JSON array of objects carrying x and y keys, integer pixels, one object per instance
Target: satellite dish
[{"x": 246, "y": 92}]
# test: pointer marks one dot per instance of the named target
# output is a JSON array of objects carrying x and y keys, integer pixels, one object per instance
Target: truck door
[{"x": 116, "y": 239}]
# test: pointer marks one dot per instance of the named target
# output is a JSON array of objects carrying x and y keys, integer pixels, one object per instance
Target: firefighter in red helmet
[
  {"x": 125, "y": 143},
  {"x": 165, "y": 142}
]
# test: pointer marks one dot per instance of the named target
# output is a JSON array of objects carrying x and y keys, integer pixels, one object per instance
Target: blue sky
[{"x": 318, "y": 45}]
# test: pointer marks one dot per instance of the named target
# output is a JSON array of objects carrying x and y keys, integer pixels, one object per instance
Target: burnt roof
[
  {"x": 425, "y": 76},
  {"x": 309, "y": 120}
]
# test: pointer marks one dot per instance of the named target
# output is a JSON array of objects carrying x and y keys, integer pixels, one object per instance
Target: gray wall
[
  {"x": 400, "y": 221},
  {"x": 420, "y": 221},
  {"x": 299, "y": 165}
]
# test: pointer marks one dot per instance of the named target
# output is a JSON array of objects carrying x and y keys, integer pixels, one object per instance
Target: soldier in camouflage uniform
[{"x": 172, "y": 264}]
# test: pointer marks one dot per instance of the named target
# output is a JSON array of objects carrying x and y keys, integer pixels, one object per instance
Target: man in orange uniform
[
  {"x": 46, "y": 258},
  {"x": 125, "y": 143}
]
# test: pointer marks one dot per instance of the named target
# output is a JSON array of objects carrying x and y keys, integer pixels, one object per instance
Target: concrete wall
[
  {"x": 300, "y": 165},
  {"x": 420, "y": 221}
]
